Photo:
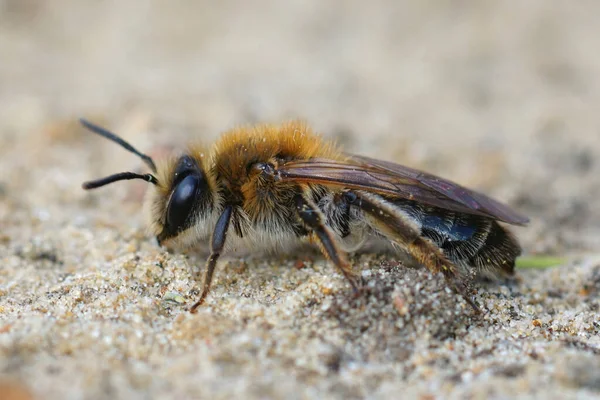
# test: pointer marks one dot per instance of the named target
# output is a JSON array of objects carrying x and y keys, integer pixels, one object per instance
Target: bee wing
[{"x": 396, "y": 180}]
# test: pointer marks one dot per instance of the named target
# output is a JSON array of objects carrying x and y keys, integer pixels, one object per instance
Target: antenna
[
  {"x": 121, "y": 176},
  {"x": 111, "y": 136}
]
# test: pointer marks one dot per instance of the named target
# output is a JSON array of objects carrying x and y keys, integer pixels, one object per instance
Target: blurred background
[{"x": 499, "y": 96}]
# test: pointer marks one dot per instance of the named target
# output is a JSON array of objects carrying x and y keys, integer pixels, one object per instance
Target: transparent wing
[{"x": 390, "y": 179}]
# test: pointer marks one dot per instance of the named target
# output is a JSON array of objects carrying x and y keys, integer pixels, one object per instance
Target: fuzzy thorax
[{"x": 229, "y": 173}]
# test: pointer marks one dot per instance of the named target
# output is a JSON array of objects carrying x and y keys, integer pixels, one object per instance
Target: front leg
[
  {"x": 217, "y": 243},
  {"x": 314, "y": 221}
]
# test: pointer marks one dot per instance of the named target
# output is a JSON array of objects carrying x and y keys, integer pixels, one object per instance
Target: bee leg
[
  {"x": 460, "y": 288},
  {"x": 217, "y": 243},
  {"x": 400, "y": 228},
  {"x": 313, "y": 219}
]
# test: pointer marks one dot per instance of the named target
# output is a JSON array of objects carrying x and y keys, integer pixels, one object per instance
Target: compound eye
[{"x": 182, "y": 202}]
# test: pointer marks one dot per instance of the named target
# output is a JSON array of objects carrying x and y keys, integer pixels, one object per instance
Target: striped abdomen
[{"x": 467, "y": 240}]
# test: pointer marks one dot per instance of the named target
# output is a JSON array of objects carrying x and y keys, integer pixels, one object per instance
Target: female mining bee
[{"x": 268, "y": 186}]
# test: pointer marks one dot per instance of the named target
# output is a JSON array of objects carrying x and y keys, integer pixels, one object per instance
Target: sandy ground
[{"x": 500, "y": 96}]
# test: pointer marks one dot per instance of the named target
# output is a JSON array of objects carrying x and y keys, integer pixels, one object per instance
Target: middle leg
[{"x": 314, "y": 221}]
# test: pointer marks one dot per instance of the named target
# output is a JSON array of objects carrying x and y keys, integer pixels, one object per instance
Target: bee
[{"x": 269, "y": 186}]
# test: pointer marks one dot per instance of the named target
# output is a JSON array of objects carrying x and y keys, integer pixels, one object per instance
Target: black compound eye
[{"x": 182, "y": 202}]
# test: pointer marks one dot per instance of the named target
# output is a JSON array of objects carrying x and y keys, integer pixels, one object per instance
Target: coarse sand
[{"x": 499, "y": 96}]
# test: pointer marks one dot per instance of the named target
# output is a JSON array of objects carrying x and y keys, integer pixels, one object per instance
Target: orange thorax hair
[{"x": 241, "y": 148}]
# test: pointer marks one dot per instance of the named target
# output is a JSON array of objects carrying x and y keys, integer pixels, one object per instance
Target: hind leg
[{"x": 399, "y": 228}]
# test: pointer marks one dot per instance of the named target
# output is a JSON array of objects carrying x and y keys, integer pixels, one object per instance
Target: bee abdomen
[
  {"x": 470, "y": 240},
  {"x": 498, "y": 252}
]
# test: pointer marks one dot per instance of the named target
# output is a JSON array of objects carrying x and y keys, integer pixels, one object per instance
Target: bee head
[
  {"x": 181, "y": 207},
  {"x": 184, "y": 197}
]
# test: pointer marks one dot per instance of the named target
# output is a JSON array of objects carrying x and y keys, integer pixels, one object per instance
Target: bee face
[
  {"x": 182, "y": 204},
  {"x": 275, "y": 184}
]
